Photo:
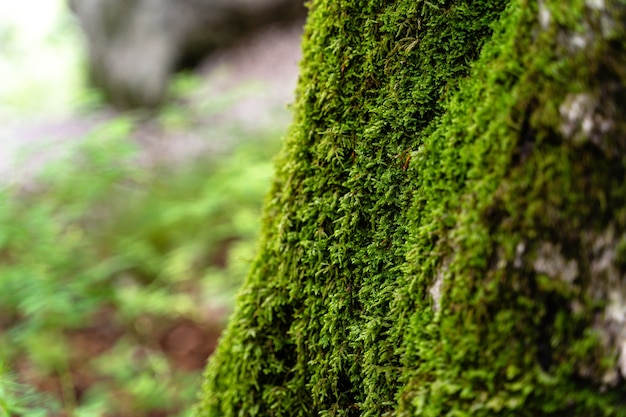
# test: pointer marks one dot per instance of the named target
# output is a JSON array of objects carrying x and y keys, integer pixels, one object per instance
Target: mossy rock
[{"x": 445, "y": 232}]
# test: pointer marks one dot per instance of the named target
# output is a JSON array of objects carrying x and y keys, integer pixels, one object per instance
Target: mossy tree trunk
[{"x": 446, "y": 234}]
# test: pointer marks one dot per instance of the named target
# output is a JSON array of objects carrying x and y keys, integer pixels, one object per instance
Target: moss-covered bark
[{"x": 446, "y": 234}]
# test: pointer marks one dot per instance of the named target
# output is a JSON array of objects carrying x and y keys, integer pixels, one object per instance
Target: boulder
[{"x": 136, "y": 45}]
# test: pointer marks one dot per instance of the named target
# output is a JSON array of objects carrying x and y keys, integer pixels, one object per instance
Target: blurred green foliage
[
  {"x": 101, "y": 250},
  {"x": 21, "y": 399},
  {"x": 116, "y": 274}
]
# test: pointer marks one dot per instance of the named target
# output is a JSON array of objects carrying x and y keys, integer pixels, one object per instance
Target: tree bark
[{"x": 446, "y": 233}]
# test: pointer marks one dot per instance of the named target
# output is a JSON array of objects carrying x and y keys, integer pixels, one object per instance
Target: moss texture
[{"x": 445, "y": 235}]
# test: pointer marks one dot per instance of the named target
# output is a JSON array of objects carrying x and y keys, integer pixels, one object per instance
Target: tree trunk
[{"x": 446, "y": 233}]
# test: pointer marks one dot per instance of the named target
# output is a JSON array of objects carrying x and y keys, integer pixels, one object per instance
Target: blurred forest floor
[
  {"x": 247, "y": 87},
  {"x": 124, "y": 236}
]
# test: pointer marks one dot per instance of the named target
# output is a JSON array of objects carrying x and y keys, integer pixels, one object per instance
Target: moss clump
[{"x": 440, "y": 237}]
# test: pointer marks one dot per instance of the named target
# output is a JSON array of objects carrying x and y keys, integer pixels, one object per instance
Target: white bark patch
[
  {"x": 583, "y": 120},
  {"x": 600, "y": 14},
  {"x": 606, "y": 284},
  {"x": 551, "y": 262},
  {"x": 609, "y": 285},
  {"x": 578, "y": 41},
  {"x": 595, "y": 4},
  {"x": 544, "y": 16},
  {"x": 574, "y": 110},
  {"x": 436, "y": 290},
  {"x": 520, "y": 248}
]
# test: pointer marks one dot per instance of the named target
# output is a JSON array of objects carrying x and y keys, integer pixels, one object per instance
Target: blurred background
[{"x": 136, "y": 147}]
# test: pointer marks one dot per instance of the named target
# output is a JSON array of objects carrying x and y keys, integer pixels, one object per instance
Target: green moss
[{"x": 433, "y": 239}]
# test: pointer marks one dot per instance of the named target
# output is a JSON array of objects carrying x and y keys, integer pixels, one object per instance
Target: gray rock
[{"x": 136, "y": 45}]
